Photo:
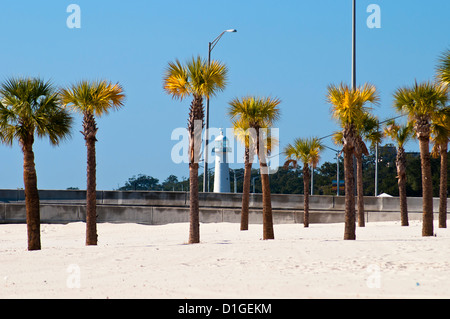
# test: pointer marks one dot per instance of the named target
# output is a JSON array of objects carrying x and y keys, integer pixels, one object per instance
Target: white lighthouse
[{"x": 222, "y": 170}]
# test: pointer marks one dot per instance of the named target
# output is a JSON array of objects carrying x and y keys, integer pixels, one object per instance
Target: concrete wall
[{"x": 158, "y": 208}]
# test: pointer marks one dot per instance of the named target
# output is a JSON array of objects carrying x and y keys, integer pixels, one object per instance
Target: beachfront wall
[{"x": 159, "y": 208}]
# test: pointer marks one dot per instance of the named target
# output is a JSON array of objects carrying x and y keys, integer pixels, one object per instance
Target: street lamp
[{"x": 211, "y": 46}]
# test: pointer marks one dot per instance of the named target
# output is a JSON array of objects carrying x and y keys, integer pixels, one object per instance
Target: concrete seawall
[{"x": 158, "y": 208}]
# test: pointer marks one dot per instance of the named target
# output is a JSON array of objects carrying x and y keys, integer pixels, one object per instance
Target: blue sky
[{"x": 291, "y": 49}]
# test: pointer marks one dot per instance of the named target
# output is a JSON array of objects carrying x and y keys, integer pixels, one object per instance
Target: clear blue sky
[{"x": 291, "y": 49}]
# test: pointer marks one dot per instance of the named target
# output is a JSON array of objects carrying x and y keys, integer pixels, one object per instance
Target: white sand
[{"x": 138, "y": 261}]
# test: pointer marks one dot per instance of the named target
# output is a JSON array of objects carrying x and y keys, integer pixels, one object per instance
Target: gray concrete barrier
[{"x": 159, "y": 208}]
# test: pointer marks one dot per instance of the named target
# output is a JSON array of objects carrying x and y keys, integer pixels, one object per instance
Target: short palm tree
[
  {"x": 440, "y": 132},
  {"x": 400, "y": 134},
  {"x": 259, "y": 114},
  {"x": 307, "y": 151},
  {"x": 92, "y": 99},
  {"x": 348, "y": 108},
  {"x": 198, "y": 79},
  {"x": 421, "y": 102},
  {"x": 243, "y": 134},
  {"x": 30, "y": 107}
]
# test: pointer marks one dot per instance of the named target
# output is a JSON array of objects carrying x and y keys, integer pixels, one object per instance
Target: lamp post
[
  {"x": 205, "y": 169},
  {"x": 354, "y": 46}
]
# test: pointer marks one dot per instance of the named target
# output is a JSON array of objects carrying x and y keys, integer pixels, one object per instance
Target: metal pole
[
  {"x": 354, "y": 46},
  {"x": 206, "y": 150}
]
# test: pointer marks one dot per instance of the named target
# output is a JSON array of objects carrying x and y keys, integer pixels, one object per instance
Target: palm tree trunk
[
  {"x": 427, "y": 186},
  {"x": 268, "y": 232},
  {"x": 350, "y": 227},
  {"x": 194, "y": 226},
  {"x": 401, "y": 172},
  {"x": 31, "y": 196},
  {"x": 89, "y": 132},
  {"x": 306, "y": 181},
  {"x": 246, "y": 190},
  {"x": 443, "y": 188},
  {"x": 360, "y": 190},
  {"x": 195, "y": 125}
]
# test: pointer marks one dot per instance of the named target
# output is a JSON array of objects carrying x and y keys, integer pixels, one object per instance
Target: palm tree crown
[
  {"x": 97, "y": 97},
  {"x": 420, "y": 102},
  {"x": 195, "y": 78},
  {"x": 305, "y": 150},
  {"x": 31, "y": 106},
  {"x": 257, "y": 112},
  {"x": 349, "y": 105}
]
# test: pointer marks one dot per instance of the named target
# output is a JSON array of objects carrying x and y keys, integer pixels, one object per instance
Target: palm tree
[
  {"x": 348, "y": 108},
  {"x": 259, "y": 114},
  {"x": 306, "y": 151},
  {"x": 421, "y": 102},
  {"x": 367, "y": 129},
  {"x": 440, "y": 130},
  {"x": 30, "y": 107},
  {"x": 198, "y": 79},
  {"x": 243, "y": 133},
  {"x": 400, "y": 134},
  {"x": 92, "y": 99}
]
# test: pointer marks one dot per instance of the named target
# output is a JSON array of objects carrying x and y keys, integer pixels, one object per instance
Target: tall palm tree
[
  {"x": 421, "y": 102},
  {"x": 307, "y": 151},
  {"x": 259, "y": 113},
  {"x": 198, "y": 79},
  {"x": 400, "y": 134},
  {"x": 247, "y": 136},
  {"x": 243, "y": 134},
  {"x": 348, "y": 108},
  {"x": 440, "y": 130},
  {"x": 92, "y": 99},
  {"x": 30, "y": 107}
]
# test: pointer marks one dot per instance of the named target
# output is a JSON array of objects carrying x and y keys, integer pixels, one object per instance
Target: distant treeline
[{"x": 290, "y": 181}]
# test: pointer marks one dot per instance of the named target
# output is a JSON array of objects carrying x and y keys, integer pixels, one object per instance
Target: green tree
[
  {"x": 198, "y": 79},
  {"x": 400, "y": 134},
  {"x": 141, "y": 182},
  {"x": 421, "y": 102},
  {"x": 92, "y": 99},
  {"x": 30, "y": 107},
  {"x": 348, "y": 108},
  {"x": 307, "y": 151},
  {"x": 259, "y": 114}
]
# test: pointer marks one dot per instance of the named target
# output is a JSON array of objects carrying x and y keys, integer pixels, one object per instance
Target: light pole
[
  {"x": 354, "y": 46},
  {"x": 211, "y": 46}
]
